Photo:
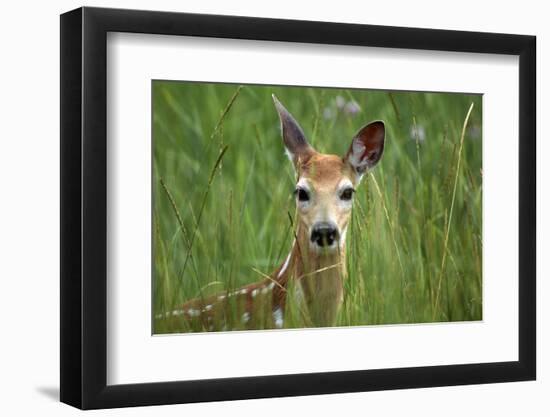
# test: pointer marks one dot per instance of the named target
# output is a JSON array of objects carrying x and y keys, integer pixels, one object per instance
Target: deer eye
[
  {"x": 347, "y": 194},
  {"x": 301, "y": 194}
]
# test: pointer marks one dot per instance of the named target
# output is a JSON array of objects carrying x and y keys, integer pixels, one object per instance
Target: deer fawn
[{"x": 315, "y": 266}]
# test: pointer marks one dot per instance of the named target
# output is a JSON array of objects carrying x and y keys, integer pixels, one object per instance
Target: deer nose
[{"x": 324, "y": 234}]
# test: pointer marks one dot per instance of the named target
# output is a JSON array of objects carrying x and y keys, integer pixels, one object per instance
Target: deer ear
[
  {"x": 297, "y": 147},
  {"x": 366, "y": 147}
]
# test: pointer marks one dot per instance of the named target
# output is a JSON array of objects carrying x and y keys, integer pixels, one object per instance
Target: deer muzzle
[{"x": 325, "y": 234}]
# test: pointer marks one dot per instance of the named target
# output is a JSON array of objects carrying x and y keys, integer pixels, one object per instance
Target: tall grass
[{"x": 223, "y": 203}]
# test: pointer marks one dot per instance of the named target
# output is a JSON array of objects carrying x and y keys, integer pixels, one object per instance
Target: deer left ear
[
  {"x": 297, "y": 147},
  {"x": 366, "y": 147}
]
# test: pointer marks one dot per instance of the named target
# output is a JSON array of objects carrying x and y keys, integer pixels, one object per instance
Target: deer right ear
[
  {"x": 297, "y": 147},
  {"x": 366, "y": 147}
]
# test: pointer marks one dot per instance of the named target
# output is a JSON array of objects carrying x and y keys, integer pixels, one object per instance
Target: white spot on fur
[
  {"x": 245, "y": 318},
  {"x": 193, "y": 313},
  {"x": 265, "y": 290},
  {"x": 271, "y": 286},
  {"x": 255, "y": 292},
  {"x": 177, "y": 312},
  {"x": 221, "y": 297},
  {"x": 278, "y": 317},
  {"x": 244, "y": 291},
  {"x": 208, "y": 307}
]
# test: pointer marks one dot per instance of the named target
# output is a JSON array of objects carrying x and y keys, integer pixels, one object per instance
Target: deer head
[{"x": 326, "y": 184}]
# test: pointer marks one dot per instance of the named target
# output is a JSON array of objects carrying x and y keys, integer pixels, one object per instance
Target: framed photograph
[{"x": 257, "y": 208}]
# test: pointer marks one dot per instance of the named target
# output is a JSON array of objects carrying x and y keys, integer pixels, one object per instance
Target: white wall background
[{"x": 29, "y": 209}]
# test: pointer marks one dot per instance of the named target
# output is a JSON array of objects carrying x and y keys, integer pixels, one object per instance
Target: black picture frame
[{"x": 84, "y": 207}]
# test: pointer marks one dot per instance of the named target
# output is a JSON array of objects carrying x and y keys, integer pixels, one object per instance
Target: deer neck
[{"x": 319, "y": 276}]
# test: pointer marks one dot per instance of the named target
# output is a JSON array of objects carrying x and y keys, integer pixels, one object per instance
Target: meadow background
[{"x": 222, "y": 185}]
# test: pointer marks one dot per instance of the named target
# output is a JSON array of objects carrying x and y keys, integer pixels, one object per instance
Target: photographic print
[
  {"x": 333, "y": 210},
  {"x": 289, "y": 207}
]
